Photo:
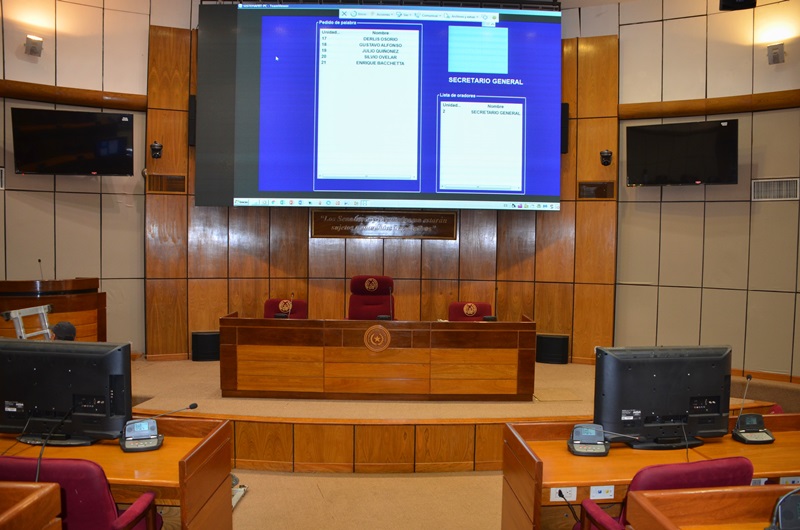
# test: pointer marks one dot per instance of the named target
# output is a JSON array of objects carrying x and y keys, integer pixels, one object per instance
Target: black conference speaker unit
[
  {"x": 205, "y": 345},
  {"x": 552, "y": 349},
  {"x": 733, "y": 5}
]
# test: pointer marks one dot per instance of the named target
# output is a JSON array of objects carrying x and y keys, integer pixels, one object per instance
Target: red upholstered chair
[
  {"x": 733, "y": 471},
  {"x": 285, "y": 308},
  {"x": 371, "y": 297},
  {"x": 86, "y": 501},
  {"x": 469, "y": 311}
]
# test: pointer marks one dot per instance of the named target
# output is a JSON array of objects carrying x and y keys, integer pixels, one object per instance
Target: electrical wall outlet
[
  {"x": 758, "y": 481},
  {"x": 790, "y": 480},
  {"x": 570, "y": 493},
  {"x": 601, "y": 492}
]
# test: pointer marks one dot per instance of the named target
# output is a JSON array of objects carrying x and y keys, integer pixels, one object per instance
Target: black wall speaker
[
  {"x": 732, "y": 5},
  {"x": 205, "y": 345},
  {"x": 552, "y": 349},
  {"x": 564, "y": 128}
]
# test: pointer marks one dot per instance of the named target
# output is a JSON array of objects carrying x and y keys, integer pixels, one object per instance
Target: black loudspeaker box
[
  {"x": 733, "y": 5},
  {"x": 552, "y": 349},
  {"x": 205, "y": 345}
]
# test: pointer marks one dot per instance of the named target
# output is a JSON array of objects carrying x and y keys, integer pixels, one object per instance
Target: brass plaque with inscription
[{"x": 383, "y": 224}]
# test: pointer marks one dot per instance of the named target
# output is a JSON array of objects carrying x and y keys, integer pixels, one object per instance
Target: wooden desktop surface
[{"x": 778, "y": 459}]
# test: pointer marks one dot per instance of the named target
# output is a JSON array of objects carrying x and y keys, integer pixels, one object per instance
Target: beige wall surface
[{"x": 699, "y": 264}]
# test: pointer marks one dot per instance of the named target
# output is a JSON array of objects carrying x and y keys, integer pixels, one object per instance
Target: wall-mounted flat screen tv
[
  {"x": 330, "y": 105},
  {"x": 63, "y": 142},
  {"x": 683, "y": 153}
]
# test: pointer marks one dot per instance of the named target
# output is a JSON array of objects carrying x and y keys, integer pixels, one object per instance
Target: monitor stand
[
  {"x": 665, "y": 443},
  {"x": 54, "y": 440}
]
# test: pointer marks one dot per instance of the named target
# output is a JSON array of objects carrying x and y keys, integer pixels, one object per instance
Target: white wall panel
[
  {"x": 195, "y": 12},
  {"x": 77, "y": 235},
  {"x": 571, "y": 24},
  {"x": 172, "y": 14},
  {"x": 93, "y": 3},
  {"x": 635, "y": 315},
  {"x": 685, "y": 59},
  {"x": 722, "y": 321},
  {"x": 741, "y": 190},
  {"x": 730, "y": 53},
  {"x": 132, "y": 6},
  {"x": 602, "y": 20},
  {"x": 122, "y": 236},
  {"x": 684, "y": 8},
  {"x": 773, "y": 246},
  {"x": 125, "y": 311},
  {"x": 79, "y": 61},
  {"x": 640, "y": 63},
  {"x": 776, "y": 137},
  {"x": 678, "y": 316},
  {"x": 777, "y": 23},
  {"x": 727, "y": 244},
  {"x": 770, "y": 328},
  {"x": 681, "y": 256},
  {"x": 639, "y": 11},
  {"x": 638, "y": 242},
  {"x": 125, "y": 52},
  {"x": 20, "y": 18},
  {"x": 31, "y": 235}
]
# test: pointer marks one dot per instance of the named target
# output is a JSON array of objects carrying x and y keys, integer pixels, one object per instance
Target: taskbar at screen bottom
[{"x": 397, "y": 203}]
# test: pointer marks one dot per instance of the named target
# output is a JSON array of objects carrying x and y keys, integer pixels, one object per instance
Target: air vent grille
[{"x": 775, "y": 190}]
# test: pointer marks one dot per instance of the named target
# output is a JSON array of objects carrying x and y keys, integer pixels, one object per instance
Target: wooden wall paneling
[
  {"x": 445, "y": 448},
  {"x": 553, "y": 308},
  {"x": 595, "y": 135},
  {"x": 384, "y": 448},
  {"x": 170, "y": 55},
  {"x": 170, "y": 129},
  {"x": 208, "y": 241},
  {"x": 265, "y": 446},
  {"x": 569, "y": 75},
  {"x": 555, "y": 244},
  {"x": 247, "y": 295},
  {"x": 402, "y": 258},
  {"x": 208, "y": 301},
  {"x": 569, "y": 164},
  {"x": 288, "y": 243},
  {"x": 363, "y": 256},
  {"x": 439, "y": 259},
  {"x": 407, "y": 299},
  {"x": 595, "y": 242},
  {"x": 516, "y": 245},
  {"x": 489, "y": 447},
  {"x": 326, "y": 257},
  {"x": 193, "y": 62},
  {"x": 436, "y": 297},
  {"x": 324, "y": 448},
  {"x": 474, "y": 291},
  {"x": 598, "y": 76},
  {"x": 166, "y": 235},
  {"x": 284, "y": 287},
  {"x": 326, "y": 298},
  {"x": 593, "y": 321},
  {"x": 248, "y": 243},
  {"x": 514, "y": 299},
  {"x": 166, "y": 316},
  {"x": 478, "y": 245}
]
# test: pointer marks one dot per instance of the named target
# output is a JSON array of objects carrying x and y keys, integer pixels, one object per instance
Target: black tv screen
[
  {"x": 332, "y": 105},
  {"x": 662, "y": 397},
  {"x": 683, "y": 153},
  {"x": 64, "y": 392},
  {"x": 62, "y": 142}
]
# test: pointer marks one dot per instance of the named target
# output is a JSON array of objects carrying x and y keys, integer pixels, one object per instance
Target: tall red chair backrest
[
  {"x": 719, "y": 472},
  {"x": 86, "y": 500},
  {"x": 293, "y": 308},
  {"x": 371, "y": 297},
  {"x": 468, "y": 311}
]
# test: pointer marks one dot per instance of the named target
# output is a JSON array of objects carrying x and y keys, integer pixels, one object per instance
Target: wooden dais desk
[
  {"x": 191, "y": 469},
  {"x": 29, "y": 506},
  {"x": 375, "y": 359}
]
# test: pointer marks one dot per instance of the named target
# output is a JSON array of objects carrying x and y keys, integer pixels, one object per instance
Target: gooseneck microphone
[
  {"x": 291, "y": 306},
  {"x": 741, "y": 407},
  {"x": 191, "y": 406}
]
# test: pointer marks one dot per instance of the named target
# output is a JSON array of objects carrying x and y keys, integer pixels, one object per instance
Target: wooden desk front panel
[
  {"x": 30, "y": 506},
  {"x": 330, "y": 359}
]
